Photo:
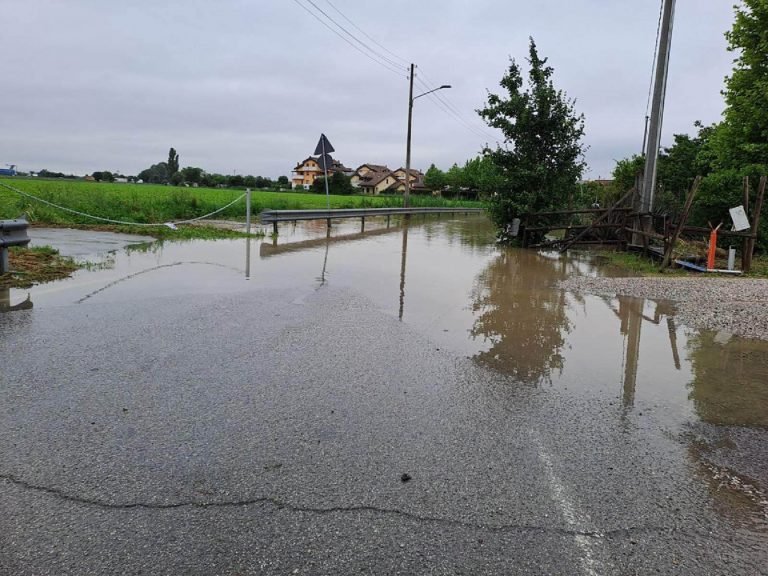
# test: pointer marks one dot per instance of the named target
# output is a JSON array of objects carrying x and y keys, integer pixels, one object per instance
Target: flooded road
[{"x": 274, "y": 391}]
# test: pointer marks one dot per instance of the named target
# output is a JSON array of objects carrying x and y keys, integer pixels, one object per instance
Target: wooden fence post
[
  {"x": 680, "y": 225},
  {"x": 747, "y": 264}
]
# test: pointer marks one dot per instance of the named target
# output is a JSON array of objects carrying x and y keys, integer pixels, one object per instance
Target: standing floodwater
[{"x": 164, "y": 402}]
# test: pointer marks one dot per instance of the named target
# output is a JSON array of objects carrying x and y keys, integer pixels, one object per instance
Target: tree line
[{"x": 168, "y": 172}]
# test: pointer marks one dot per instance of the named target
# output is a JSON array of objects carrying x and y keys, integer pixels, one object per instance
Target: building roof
[
  {"x": 374, "y": 167},
  {"x": 375, "y": 178}
]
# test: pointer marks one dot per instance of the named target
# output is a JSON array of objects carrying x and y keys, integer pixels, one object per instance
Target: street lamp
[{"x": 411, "y": 98}]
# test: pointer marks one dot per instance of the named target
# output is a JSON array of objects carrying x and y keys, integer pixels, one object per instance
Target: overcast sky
[{"x": 249, "y": 85}]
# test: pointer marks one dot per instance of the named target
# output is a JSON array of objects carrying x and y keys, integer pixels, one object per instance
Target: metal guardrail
[
  {"x": 12, "y": 233},
  {"x": 274, "y": 216}
]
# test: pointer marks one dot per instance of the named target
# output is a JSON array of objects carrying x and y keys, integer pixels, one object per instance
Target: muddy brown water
[{"x": 499, "y": 306}]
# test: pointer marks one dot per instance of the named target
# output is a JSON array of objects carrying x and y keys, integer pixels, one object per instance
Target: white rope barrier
[{"x": 111, "y": 221}]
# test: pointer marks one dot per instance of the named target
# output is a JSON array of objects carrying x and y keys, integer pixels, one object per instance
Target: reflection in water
[
  {"x": 325, "y": 264},
  {"x": 5, "y": 302},
  {"x": 730, "y": 384},
  {"x": 520, "y": 315},
  {"x": 403, "y": 255},
  {"x": 248, "y": 258}
]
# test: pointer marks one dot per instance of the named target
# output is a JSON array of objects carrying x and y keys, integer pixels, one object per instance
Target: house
[
  {"x": 378, "y": 179},
  {"x": 309, "y": 169}
]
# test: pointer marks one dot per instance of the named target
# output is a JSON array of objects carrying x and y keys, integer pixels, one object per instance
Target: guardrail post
[
  {"x": 362, "y": 224},
  {"x": 4, "y": 267},
  {"x": 274, "y": 227}
]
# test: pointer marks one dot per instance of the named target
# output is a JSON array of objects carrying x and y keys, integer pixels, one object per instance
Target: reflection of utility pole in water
[
  {"x": 406, "y": 222},
  {"x": 631, "y": 314},
  {"x": 248, "y": 258},
  {"x": 325, "y": 264},
  {"x": 666, "y": 309}
]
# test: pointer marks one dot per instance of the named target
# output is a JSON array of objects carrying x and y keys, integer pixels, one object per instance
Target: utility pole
[
  {"x": 657, "y": 108},
  {"x": 406, "y": 195}
]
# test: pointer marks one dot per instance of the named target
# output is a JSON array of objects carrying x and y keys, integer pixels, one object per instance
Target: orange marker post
[{"x": 712, "y": 247}]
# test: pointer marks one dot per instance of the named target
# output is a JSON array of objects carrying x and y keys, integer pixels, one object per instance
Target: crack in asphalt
[{"x": 281, "y": 505}]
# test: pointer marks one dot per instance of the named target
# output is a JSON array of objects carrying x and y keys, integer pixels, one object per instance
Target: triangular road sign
[{"x": 327, "y": 149}]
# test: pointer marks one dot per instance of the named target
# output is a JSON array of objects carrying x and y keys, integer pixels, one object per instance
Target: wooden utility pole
[
  {"x": 406, "y": 194},
  {"x": 657, "y": 107}
]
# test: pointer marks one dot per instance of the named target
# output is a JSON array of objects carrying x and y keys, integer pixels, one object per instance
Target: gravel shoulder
[{"x": 733, "y": 305}]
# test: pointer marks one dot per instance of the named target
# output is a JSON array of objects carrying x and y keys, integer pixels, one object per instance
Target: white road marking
[{"x": 576, "y": 519}]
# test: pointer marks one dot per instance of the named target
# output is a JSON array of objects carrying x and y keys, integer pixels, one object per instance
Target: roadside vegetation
[
  {"x": 147, "y": 203},
  {"x": 37, "y": 265}
]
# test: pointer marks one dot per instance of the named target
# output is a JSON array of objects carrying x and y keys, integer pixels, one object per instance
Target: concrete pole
[
  {"x": 657, "y": 107},
  {"x": 248, "y": 210},
  {"x": 406, "y": 194}
]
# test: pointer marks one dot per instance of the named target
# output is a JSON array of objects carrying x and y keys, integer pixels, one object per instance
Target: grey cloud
[{"x": 249, "y": 85}]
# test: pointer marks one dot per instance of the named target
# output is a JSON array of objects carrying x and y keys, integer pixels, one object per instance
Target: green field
[{"x": 146, "y": 203}]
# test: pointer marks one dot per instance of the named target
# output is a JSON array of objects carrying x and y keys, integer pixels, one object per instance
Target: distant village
[{"x": 368, "y": 178}]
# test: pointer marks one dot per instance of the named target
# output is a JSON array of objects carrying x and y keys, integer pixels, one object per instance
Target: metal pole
[
  {"x": 248, "y": 210},
  {"x": 406, "y": 194},
  {"x": 4, "y": 266},
  {"x": 325, "y": 170},
  {"x": 657, "y": 107}
]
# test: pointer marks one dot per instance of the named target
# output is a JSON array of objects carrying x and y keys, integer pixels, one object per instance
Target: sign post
[{"x": 324, "y": 150}]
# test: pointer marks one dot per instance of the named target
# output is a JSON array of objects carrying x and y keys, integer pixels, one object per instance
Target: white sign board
[{"x": 740, "y": 220}]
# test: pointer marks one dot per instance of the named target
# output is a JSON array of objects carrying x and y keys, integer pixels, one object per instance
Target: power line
[
  {"x": 355, "y": 38},
  {"x": 445, "y": 108},
  {"x": 364, "y": 33},
  {"x": 366, "y": 54},
  {"x": 447, "y": 102}
]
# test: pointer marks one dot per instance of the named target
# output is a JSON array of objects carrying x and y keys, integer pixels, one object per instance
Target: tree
[
  {"x": 283, "y": 182},
  {"x": 434, "y": 179},
  {"x": 544, "y": 157},
  {"x": 235, "y": 181},
  {"x": 104, "y": 176},
  {"x": 742, "y": 138},
  {"x": 454, "y": 179},
  {"x": 251, "y": 181},
  {"x": 173, "y": 162},
  {"x": 155, "y": 174},
  {"x": 192, "y": 175},
  {"x": 338, "y": 183}
]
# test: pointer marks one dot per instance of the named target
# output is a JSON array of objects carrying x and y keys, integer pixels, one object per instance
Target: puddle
[{"x": 448, "y": 279}]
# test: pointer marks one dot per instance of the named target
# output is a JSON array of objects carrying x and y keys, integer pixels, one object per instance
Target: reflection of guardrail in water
[
  {"x": 266, "y": 250},
  {"x": 275, "y": 216}
]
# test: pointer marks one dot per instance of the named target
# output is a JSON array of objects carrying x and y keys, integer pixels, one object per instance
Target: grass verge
[
  {"x": 30, "y": 266},
  {"x": 146, "y": 203}
]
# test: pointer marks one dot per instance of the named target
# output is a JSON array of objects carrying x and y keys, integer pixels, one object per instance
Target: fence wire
[{"x": 170, "y": 224}]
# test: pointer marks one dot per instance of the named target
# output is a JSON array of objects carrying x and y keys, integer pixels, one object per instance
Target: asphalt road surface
[{"x": 268, "y": 432}]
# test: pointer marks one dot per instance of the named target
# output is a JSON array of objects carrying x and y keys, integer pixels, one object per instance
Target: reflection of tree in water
[
  {"x": 730, "y": 384},
  {"x": 519, "y": 313}
]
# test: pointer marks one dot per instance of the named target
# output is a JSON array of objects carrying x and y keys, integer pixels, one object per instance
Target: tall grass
[{"x": 146, "y": 203}]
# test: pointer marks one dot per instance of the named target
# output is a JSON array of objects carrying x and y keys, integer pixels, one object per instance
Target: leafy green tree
[
  {"x": 192, "y": 175},
  {"x": 283, "y": 182},
  {"x": 250, "y": 181},
  {"x": 262, "y": 183},
  {"x": 235, "y": 181},
  {"x": 742, "y": 138},
  {"x": 173, "y": 162},
  {"x": 434, "y": 179},
  {"x": 338, "y": 183},
  {"x": 543, "y": 159},
  {"x": 104, "y": 176},
  {"x": 155, "y": 174},
  {"x": 177, "y": 179},
  {"x": 454, "y": 179}
]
